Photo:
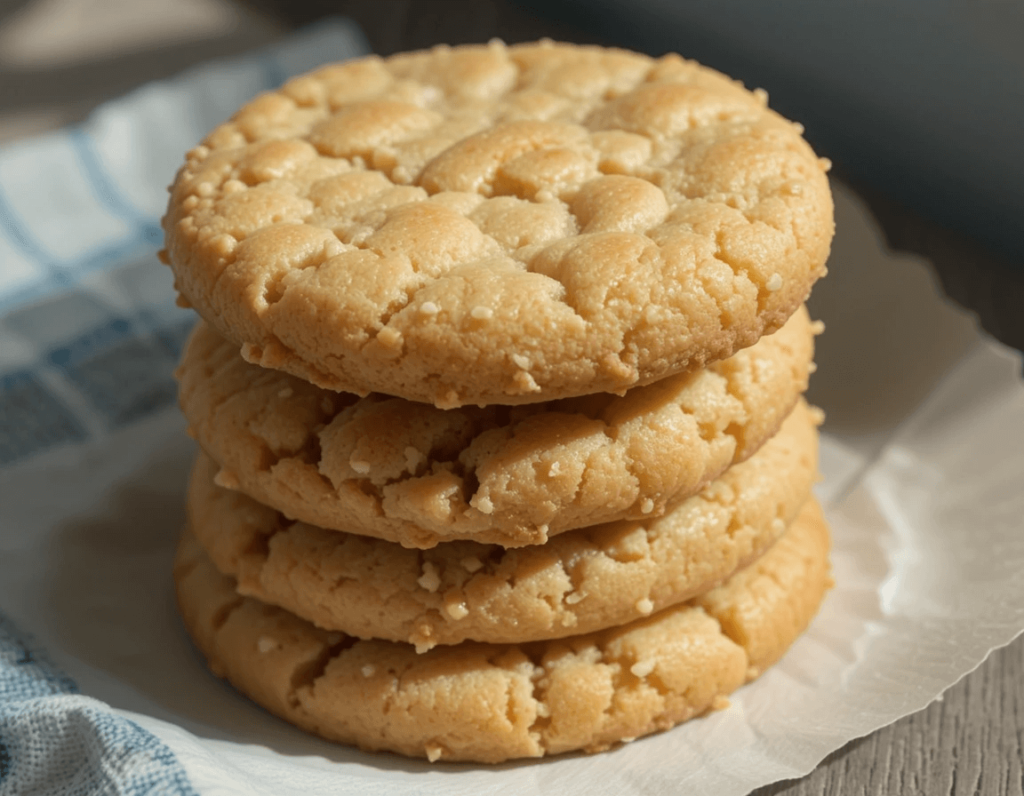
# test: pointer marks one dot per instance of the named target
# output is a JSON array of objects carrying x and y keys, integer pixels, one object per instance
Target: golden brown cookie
[
  {"x": 414, "y": 474},
  {"x": 581, "y": 581},
  {"x": 488, "y": 703},
  {"x": 499, "y": 225}
]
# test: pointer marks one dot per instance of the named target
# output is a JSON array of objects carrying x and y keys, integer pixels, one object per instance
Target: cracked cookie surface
[
  {"x": 584, "y": 580},
  {"x": 418, "y": 475},
  {"x": 488, "y": 703},
  {"x": 499, "y": 225}
]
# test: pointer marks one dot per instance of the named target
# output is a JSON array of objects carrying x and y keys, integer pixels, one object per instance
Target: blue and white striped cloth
[{"x": 89, "y": 336}]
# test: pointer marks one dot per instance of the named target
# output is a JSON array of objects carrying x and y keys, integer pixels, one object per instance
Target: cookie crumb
[
  {"x": 774, "y": 283},
  {"x": 450, "y": 400},
  {"x": 482, "y": 313},
  {"x": 265, "y": 644},
  {"x": 555, "y": 469},
  {"x": 430, "y": 579},
  {"x": 574, "y": 597},
  {"x": 817, "y": 415},
  {"x": 286, "y": 392},
  {"x": 817, "y": 327},
  {"x": 613, "y": 365},
  {"x": 642, "y": 668},
  {"x": 401, "y": 175},
  {"x": 543, "y": 711},
  {"x": 761, "y": 94},
  {"x": 777, "y": 525},
  {"x": 521, "y": 361},
  {"x": 389, "y": 338},
  {"x": 629, "y": 739},
  {"x": 525, "y": 382},
  {"x": 471, "y": 564},
  {"x": 812, "y": 367},
  {"x": 825, "y": 163},
  {"x": 753, "y": 672},
  {"x": 456, "y": 609},
  {"x": 483, "y": 505},
  {"x": 223, "y": 244},
  {"x": 646, "y": 506},
  {"x": 226, "y": 479},
  {"x": 205, "y": 189},
  {"x": 413, "y": 458},
  {"x": 644, "y": 605},
  {"x": 359, "y": 465},
  {"x": 429, "y": 308},
  {"x": 233, "y": 186},
  {"x": 720, "y": 703},
  {"x": 434, "y": 752},
  {"x": 369, "y": 670}
]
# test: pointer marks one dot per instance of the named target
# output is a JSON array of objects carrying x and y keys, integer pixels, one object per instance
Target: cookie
[
  {"x": 488, "y": 703},
  {"x": 417, "y": 475},
  {"x": 499, "y": 225},
  {"x": 580, "y": 581}
]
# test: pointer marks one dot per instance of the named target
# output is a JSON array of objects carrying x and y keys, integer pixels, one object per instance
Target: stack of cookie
[{"x": 498, "y": 391}]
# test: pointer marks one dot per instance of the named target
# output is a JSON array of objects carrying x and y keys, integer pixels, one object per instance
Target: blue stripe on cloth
[
  {"x": 32, "y": 419},
  {"x": 147, "y": 227},
  {"x": 122, "y": 367},
  {"x": 22, "y": 240},
  {"x": 124, "y": 375},
  {"x": 84, "y": 204},
  {"x": 57, "y": 277},
  {"x": 55, "y": 203},
  {"x": 55, "y": 741},
  {"x": 20, "y": 274}
]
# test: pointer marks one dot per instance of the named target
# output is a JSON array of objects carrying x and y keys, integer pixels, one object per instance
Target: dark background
[
  {"x": 918, "y": 103},
  {"x": 920, "y": 106}
]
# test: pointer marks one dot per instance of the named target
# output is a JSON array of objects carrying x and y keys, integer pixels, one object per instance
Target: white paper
[{"x": 924, "y": 488}]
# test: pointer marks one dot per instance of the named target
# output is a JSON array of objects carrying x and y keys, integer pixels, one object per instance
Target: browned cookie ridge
[
  {"x": 499, "y": 225},
  {"x": 489, "y": 703},
  {"x": 584, "y": 580},
  {"x": 418, "y": 475}
]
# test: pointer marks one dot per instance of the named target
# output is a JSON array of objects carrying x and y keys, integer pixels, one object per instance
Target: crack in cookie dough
[
  {"x": 578, "y": 582},
  {"x": 418, "y": 475},
  {"x": 488, "y": 703},
  {"x": 608, "y": 218}
]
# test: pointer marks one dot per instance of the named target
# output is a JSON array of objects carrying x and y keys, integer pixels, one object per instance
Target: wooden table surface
[{"x": 969, "y": 742}]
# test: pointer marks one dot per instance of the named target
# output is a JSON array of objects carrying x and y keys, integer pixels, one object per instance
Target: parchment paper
[{"x": 924, "y": 488}]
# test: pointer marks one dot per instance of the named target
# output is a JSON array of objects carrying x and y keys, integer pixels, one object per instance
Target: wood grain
[{"x": 969, "y": 742}]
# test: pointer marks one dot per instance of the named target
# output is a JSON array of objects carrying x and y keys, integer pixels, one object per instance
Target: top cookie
[{"x": 499, "y": 225}]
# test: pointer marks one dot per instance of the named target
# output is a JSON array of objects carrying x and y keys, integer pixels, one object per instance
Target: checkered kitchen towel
[{"x": 89, "y": 335}]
